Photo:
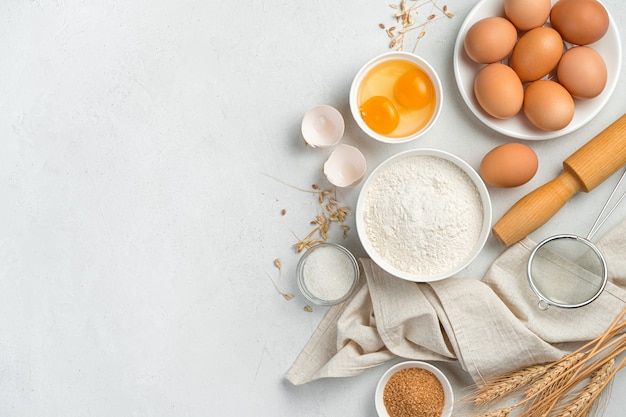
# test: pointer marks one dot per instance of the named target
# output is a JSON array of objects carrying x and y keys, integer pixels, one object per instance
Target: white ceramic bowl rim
[
  {"x": 407, "y": 56},
  {"x": 445, "y": 383},
  {"x": 480, "y": 243},
  {"x": 609, "y": 47}
]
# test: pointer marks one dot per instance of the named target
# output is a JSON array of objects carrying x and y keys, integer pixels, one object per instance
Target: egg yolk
[
  {"x": 380, "y": 114},
  {"x": 414, "y": 89}
]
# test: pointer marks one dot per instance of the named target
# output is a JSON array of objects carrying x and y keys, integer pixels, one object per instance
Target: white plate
[
  {"x": 609, "y": 47},
  {"x": 453, "y": 269}
]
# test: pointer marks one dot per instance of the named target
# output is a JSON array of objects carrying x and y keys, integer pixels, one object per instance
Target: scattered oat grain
[{"x": 406, "y": 15}]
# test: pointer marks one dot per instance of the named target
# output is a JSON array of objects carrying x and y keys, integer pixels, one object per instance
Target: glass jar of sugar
[{"x": 327, "y": 274}]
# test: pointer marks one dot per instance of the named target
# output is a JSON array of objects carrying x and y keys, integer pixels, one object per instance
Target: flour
[{"x": 423, "y": 215}]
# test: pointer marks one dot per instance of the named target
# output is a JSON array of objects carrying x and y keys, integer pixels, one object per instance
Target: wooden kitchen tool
[{"x": 585, "y": 169}]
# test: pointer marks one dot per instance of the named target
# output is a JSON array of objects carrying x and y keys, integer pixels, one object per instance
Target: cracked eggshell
[
  {"x": 345, "y": 167},
  {"x": 322, "y": 126}
]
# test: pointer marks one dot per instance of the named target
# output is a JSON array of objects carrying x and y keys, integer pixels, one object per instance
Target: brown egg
[
  {"x": 499, "y": 90},
  {"x": 582, "y": 71},
  {"x": 580, "y": 22},
  {"x": 536, "y": 53},
  {"x": 509, "y": 165},
  {"x": 548, "y": 105},
  {"x": 490, "y": 40},
  {"x": 527, "y": 14}
]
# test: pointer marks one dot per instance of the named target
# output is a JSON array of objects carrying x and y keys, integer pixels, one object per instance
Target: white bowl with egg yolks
[{"x": 396, "y": 97}]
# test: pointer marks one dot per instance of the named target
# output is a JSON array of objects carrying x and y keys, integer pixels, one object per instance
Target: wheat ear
[
  {"x": 554, "y": 376},
  {"x": 500, "y": 412},
  {"x": 502, "y": 386},
  {"x": 582, "y": 403},
  {"x": 545, "y": 403}
]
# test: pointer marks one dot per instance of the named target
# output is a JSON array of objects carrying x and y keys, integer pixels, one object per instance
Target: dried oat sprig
[
  {"x": 279, "y": 265},
  {"x": 444, "y": 10},
  {"x": 286, "y": 296},
  {"x": 308, "y": 242},
  {"x": 290, "y": 185},
  {"x": 405, "y": 15},
  {"x": 332, "y": 212}
]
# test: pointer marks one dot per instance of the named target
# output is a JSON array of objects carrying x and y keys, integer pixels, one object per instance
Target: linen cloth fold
[{"x": 491, "y": 326}]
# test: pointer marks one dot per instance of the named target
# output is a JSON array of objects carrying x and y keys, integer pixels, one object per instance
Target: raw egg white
[
  {"x": 396, "y": 98},
  {"x": 548, "y": 105},
  {"x": 509, "y": 165},
  {"x": 499, "y": 90}
]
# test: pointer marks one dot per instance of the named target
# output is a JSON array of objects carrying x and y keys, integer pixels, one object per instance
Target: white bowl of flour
[{"x": 423, "y": 215}]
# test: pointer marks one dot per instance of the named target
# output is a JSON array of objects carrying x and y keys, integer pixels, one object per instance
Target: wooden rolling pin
[{"x": 589, "y": 166}]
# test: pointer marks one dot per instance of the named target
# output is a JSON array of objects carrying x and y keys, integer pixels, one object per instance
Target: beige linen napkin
[{"x": 490, "y": 326}]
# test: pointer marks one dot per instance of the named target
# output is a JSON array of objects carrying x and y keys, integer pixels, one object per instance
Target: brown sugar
[{"x": 414, "y": 392}]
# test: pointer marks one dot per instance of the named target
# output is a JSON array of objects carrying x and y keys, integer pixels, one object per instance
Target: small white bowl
[
  {"x": 395, "y": 55},
  {"x": 345, "y": 167},
  {"x": 445, "y": 384},
  {"x": 324, "y": 274},
  {"x": 322, "y": 126},
  {"x": 450, "y": 270}
]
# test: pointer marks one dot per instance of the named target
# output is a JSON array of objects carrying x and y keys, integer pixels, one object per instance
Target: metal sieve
[{"x": 569, "y": 271}]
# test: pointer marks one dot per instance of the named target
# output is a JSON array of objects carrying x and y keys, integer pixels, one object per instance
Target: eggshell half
[
  {"x": 322, "y": 126},
  {"x": 345, "y": 167}
]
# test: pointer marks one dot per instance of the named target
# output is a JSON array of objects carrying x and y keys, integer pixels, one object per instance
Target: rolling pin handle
[{"x": 537, "y": 207}]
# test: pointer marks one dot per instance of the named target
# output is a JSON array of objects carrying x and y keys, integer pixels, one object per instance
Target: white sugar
[{"x": 328, "y": 273}]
